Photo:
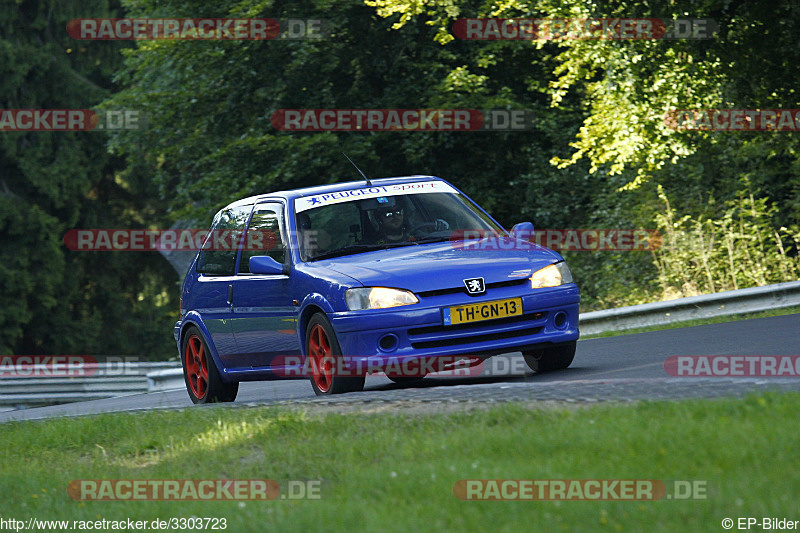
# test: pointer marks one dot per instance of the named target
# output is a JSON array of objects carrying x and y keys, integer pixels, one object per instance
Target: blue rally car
[{"x": 334, "y": 281}]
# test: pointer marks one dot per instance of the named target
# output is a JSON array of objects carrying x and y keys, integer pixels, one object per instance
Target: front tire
[
  {"x": 200, "y": 374},
  {"x": 324, "y": 354},
  {"x": 551, "y": 359}
]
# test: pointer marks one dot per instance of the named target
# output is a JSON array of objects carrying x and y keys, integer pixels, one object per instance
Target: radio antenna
[{"x": 369, "y": 183}]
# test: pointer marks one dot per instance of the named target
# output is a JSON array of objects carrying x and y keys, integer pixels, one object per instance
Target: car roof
[{"x": 329, "y": 188}]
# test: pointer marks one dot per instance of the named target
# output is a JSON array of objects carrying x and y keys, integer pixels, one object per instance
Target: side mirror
[
  {"x": 264, "y": 264},
  {"x": 523, "y": 231}
]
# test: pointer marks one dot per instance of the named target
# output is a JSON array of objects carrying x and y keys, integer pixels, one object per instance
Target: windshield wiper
[
  {"x": 358, "y": 248},
  {"x": 432, "y": 239}
]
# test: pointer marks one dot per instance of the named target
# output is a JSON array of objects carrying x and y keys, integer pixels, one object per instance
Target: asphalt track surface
[{"x": 621, "y": 368}]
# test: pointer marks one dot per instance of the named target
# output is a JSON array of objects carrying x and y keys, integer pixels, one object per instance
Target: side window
[
  {"x": 264, "y": 236},
  {"x": 332, "y": 227},
  {"x": 218, "y": 257}
]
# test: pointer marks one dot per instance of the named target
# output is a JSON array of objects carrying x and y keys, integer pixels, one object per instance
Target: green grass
[
  {"x": 396, "y": 472},
  {"x": 698, "y": 322}
]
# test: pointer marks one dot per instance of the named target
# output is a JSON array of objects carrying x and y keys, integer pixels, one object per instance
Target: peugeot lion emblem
[{"x": 475, "y": 285}]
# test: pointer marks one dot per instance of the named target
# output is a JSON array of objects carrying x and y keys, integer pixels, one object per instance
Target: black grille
[
  {"x": 476, "y": 338},
  {"x": 463, "y": 289},
  {"x": 472, "y": 332}
]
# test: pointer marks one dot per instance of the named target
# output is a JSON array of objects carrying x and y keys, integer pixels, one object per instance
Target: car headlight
[
  {"x": 377, "y": 298},
  {"x": 551, "y": 276}
]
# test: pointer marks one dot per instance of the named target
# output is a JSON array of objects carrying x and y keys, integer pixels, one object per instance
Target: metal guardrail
[
  {"x": 751, "y": 300},
  {"x": 167, "y": 379},
  {"x": 131, "y": 378},
  {"x": 107, "y": 380}
]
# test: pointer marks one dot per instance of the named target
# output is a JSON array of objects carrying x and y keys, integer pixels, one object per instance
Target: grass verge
[{"x": 397, "y": 472}]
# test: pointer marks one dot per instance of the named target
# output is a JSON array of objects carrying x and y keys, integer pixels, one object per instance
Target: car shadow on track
[{"x": 450, "y": 381}]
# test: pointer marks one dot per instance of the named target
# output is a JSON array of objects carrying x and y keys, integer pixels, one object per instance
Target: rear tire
[
  {"x": 200, "y": 373},
  {"x": 323, "y": 350},
  {"x": 551, "y": 359}
]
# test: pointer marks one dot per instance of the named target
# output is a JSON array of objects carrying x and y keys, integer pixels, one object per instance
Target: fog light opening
[
  {"x": 388, "y": 342},
  {"x": 560, "y": 320}
]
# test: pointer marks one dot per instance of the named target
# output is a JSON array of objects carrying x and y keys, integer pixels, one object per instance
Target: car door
[
  {"x": 216, "y": 269},
  {"x": 264, "y": 315}
]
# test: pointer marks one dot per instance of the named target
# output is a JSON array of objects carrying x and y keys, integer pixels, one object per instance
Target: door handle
[{"x": 230, "y": 294}]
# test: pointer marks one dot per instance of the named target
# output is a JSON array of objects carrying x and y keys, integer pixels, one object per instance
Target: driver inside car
[
  {"x": 392, "y": 225},
  {"x": 395, "y": 226}
]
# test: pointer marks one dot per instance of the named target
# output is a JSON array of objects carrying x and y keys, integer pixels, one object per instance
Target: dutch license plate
[{"x": 482, "y": 311}]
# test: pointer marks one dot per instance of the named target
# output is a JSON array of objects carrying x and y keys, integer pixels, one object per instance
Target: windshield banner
[{"x": 319, "y": 200}]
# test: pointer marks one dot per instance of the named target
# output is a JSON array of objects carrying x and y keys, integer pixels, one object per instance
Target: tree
[
  {"x": 57, "y": 301},
  {"x": 628, "y": 86}
]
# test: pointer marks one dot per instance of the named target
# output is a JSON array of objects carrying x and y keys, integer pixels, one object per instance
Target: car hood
[{"x": 445, "y": 265}]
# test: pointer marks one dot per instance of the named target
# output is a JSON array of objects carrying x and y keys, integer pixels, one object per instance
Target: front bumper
[{"x": 389, "y": 336}]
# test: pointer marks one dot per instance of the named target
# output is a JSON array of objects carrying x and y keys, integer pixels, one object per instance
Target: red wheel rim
[
  {"x": 319, "y": 350},
  {"x": 196, "y": 366}
]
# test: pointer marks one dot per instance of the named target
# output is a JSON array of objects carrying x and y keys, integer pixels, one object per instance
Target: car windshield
[{"x": 351, "y": 224}]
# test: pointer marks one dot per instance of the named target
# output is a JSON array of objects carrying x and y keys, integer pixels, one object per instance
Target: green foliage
[
  {"x": 211, "y": 140},
  {"x": 62, "y": 302},
  {"x": 741, "y": 248},
  {"x": 626, "y": 88},
  {"x": 598, "y": 156}
]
